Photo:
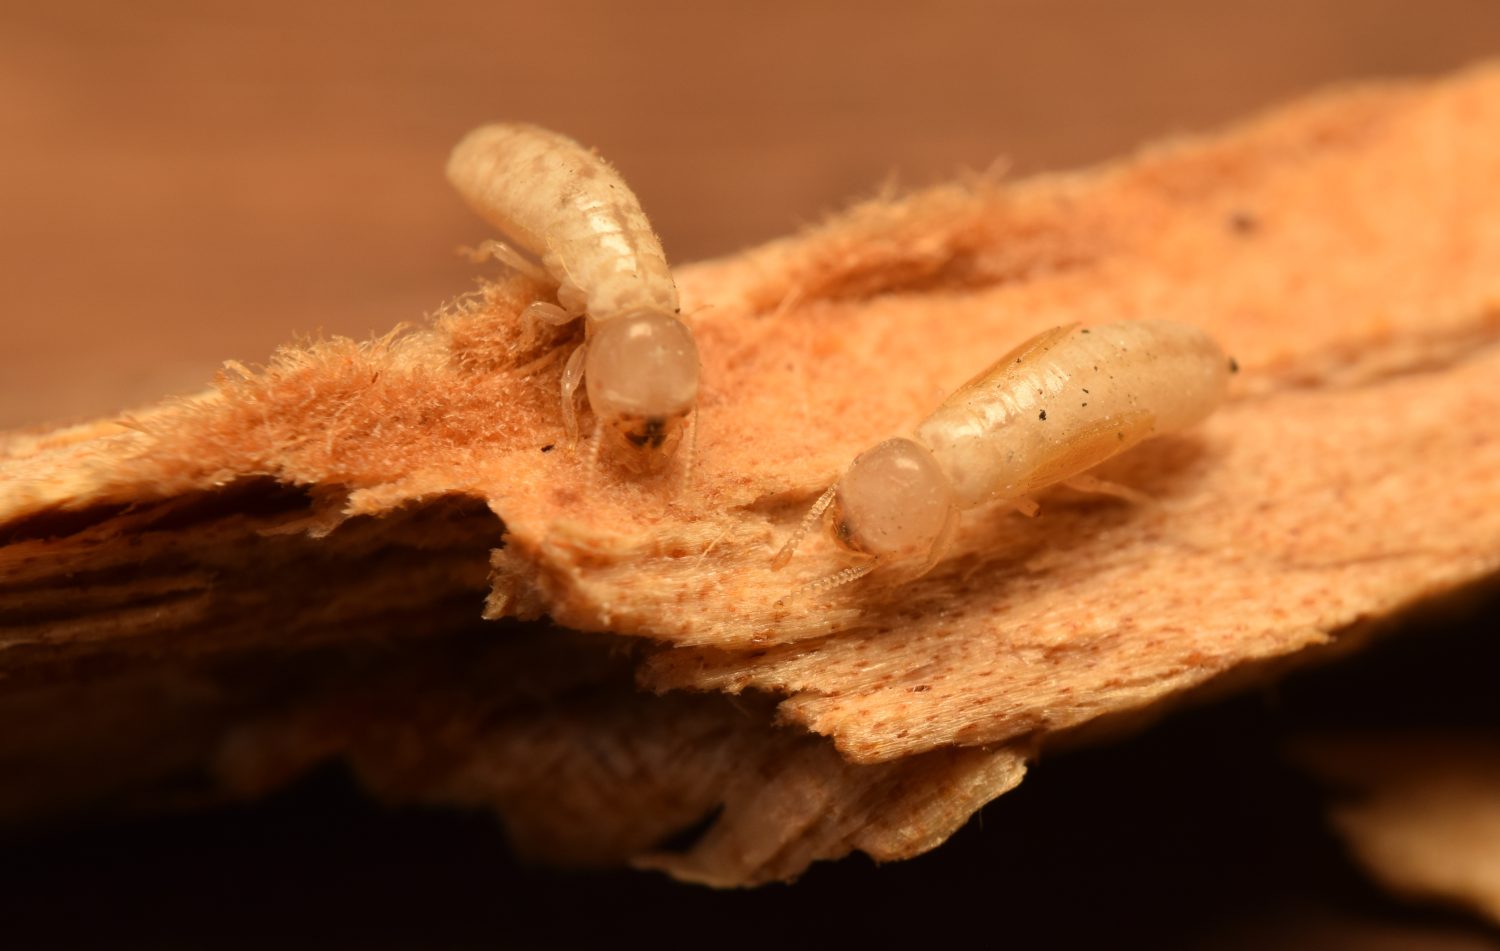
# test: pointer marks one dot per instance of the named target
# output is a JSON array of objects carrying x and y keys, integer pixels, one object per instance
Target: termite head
[
  {"x": 642, "y": 376},
  {"x": 893, "y": 503}
]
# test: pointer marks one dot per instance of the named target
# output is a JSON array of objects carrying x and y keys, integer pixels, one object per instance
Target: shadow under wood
[
  {"x": 257, "y": 564},
  {"x": 137, "y": 732},
  {"x": 1194, "y": 835}
]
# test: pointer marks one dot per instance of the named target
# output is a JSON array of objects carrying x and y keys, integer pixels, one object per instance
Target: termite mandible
[
  {"x": 1054, "y": 407},
  {"x": 564, "y": 204}
]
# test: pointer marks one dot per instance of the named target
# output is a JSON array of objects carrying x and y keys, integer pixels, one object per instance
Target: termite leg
[
  {"x": 512, "y": 259},
  {"x": 572, "y": 376},
  {"x": 940, "y": 545},
  {"x": 808, "y": 521},
  {"x": 547, "y": 313},
  {"x": 540, "y": 363},
  {"x": 1097, "y": 486}
]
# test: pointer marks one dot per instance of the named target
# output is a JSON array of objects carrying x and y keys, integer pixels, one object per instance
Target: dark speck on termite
[{"x": 1042, "y": 416}]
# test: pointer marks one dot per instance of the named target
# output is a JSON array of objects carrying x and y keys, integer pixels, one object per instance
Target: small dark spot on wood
[
  {"x": 1243, "y": 222},
  {"x": 1083, "y": 404},
  {"x": 1085, "y": 389},
  {"x": 921, "y": 688},
  {"x": 1120, "y": 436},
  {"x": 1234, "y": 365},
  {"x": 548, "y": 448},
  {"x": 1042, "y": 416},
  {"x": 1084, "y": 330}
]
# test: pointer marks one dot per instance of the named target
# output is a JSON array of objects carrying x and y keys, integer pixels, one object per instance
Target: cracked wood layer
[{"x": 1346, "y": 250}]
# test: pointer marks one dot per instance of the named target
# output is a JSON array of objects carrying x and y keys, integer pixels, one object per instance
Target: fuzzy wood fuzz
[{"x": 1346, "y": 250}]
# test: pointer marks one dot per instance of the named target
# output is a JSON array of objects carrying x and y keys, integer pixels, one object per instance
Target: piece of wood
[
  {"x": 1419, "y": 810},
  {"x": 1344, "y": 249}
]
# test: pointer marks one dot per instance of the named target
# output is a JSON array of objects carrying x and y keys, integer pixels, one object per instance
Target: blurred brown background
[{"x": 182, "y": 183}]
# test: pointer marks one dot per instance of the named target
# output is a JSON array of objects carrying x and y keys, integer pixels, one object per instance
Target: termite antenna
[
  {"x": 808, "y": 521},
  {"x": 594, "y": 443},
  {"x": 691, "y": 455},
  {"x": 836, "y": 580},
  {"x": 792, "y": 299}
]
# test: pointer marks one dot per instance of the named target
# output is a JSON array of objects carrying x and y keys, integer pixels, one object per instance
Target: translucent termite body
[
  {"x": 1054, "y": 407},
  {"x": 566, "y": 206}
]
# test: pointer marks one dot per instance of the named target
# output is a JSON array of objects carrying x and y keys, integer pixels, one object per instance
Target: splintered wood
[{"x": 346, "y": 498}]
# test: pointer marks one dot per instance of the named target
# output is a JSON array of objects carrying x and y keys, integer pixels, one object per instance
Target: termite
[
  {"x": 1045, "y": 413},
  {"x": 566, "y": 206}
]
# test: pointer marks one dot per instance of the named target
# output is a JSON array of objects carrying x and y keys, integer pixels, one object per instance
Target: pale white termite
[
  {"x": 1057, "y": 405},
  {"x": 564, "y": 204}
]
